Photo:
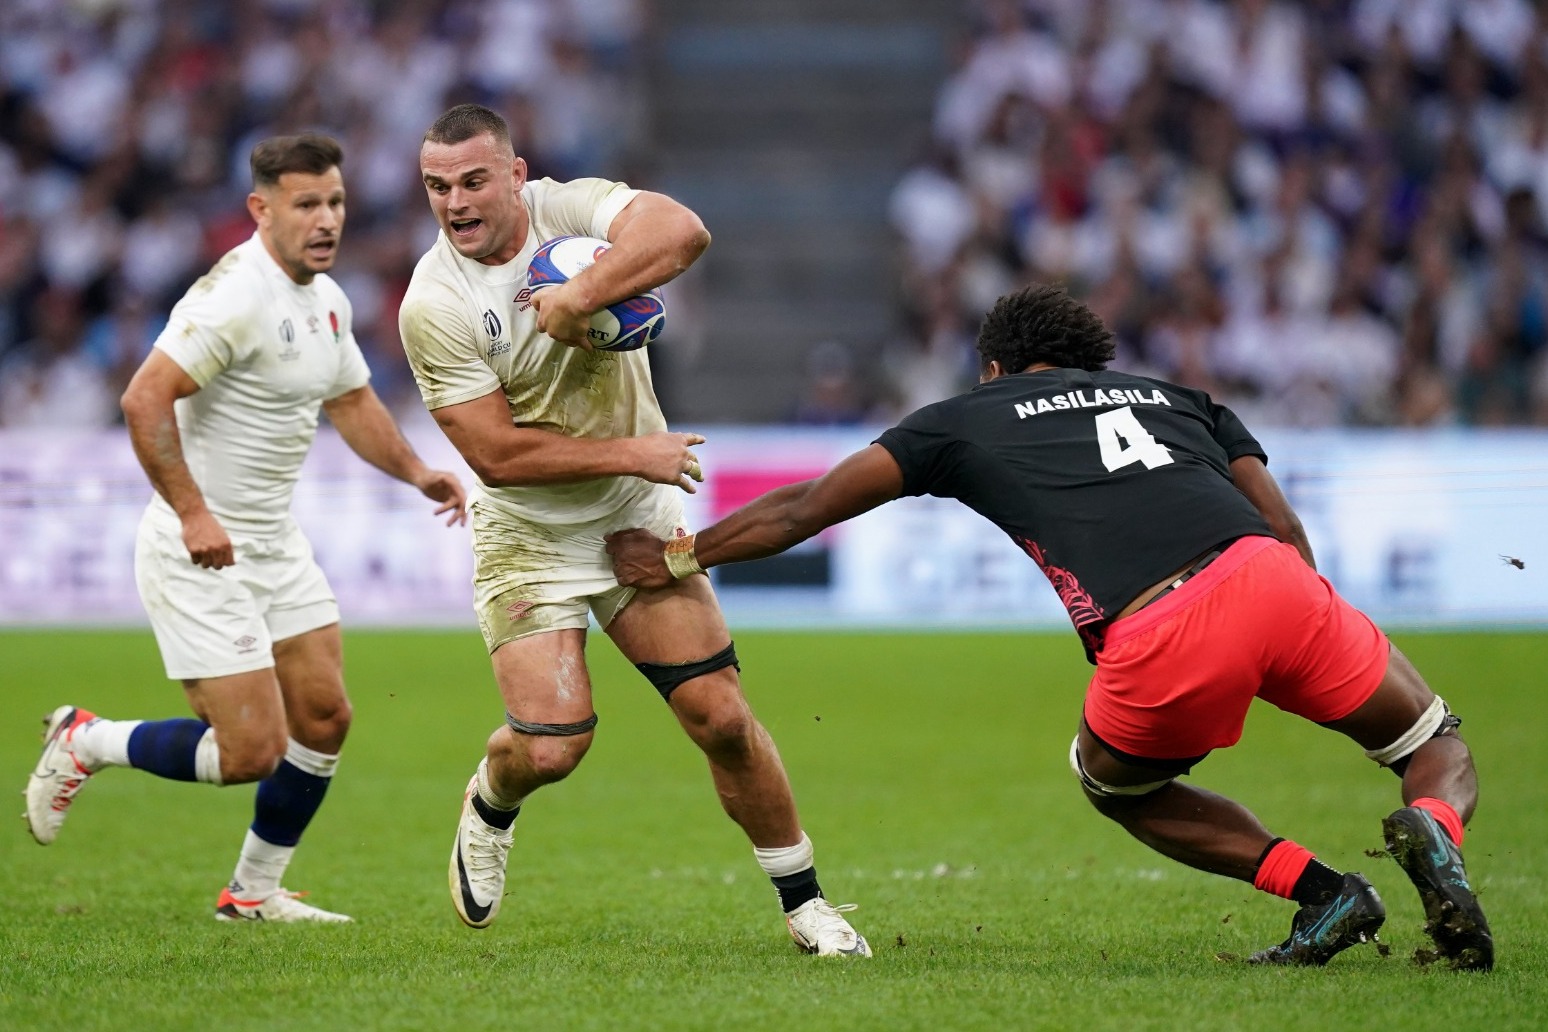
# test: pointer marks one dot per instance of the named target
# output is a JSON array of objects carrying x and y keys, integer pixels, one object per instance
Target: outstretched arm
[
  {"x": 765, "y": 526},
  {"x": 654, "y": 240},
  {"x": 371, "y": 433},
  {"x": 1253, "y": 479},
  {"x": 505, "y": 455}
]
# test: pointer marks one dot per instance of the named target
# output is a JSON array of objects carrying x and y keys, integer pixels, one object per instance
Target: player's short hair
[
  {"x": 311, "y": 153},
  {"x": 1043, "y": 323},
  {"x": 466, "y": 121}
]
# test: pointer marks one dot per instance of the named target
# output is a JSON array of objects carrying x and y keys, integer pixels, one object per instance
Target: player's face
[
  {"x": 475, "y": 191},
  {"x": 301, "y": 219}
]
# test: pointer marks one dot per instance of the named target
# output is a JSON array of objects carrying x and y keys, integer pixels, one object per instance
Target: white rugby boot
[
  {"x": 818, "y": 926},
  {"x": 59, "y": 776},
  {"x": 283, "y": 906},
  {"x": 476, "y": 874}
]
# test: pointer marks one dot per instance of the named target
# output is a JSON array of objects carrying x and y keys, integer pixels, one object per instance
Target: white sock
[
  {"x": 104, "y": 743},
  {"x": 260, "y": 868},
  {"x": 783, "y": 861},
  {"x": 207, "y": 759},
  {"x": 318, "y": 764},
  {"x": 487, "y": 793}
]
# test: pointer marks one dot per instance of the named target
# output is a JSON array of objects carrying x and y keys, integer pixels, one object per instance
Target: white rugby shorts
[
  {"x": 211, "y": 623},
  {"x": 531, "y": 577}
]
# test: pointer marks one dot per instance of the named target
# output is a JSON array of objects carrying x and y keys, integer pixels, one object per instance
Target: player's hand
[
  {"x": 207, "y": 542},
  {"x": 562, "y": 316},
  {"x": 639, "y": 559},
  {"x": 663, "y": 458},
  {"x": 441, "y": 486}
]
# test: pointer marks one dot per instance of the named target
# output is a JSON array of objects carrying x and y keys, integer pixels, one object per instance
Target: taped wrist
[{"x": 680, "y": 560}]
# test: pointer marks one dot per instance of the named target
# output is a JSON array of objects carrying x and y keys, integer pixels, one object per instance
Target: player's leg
[
  {"x": 1174, "y": 681},
  {"x": 529, "y": 584},
  {"x": 546, "y": 690},
  {"x": 677, "y": 637},
  {"x": 236, "y": 738},
  {"x": 309, "y": 669},
  {"x": 1212, "y": 833},
  {"x": 1405, "y": 727},
  {"x": 212, "y": 639}
]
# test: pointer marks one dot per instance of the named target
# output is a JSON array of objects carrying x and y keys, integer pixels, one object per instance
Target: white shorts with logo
[
  {"x": 211, "y": 623},
  {"x": 531, "y": 577}
]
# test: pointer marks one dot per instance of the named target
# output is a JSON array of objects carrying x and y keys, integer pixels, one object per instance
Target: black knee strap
[
  {"x": 668, "y": 676},
  {"x": 580, "y": 727}
]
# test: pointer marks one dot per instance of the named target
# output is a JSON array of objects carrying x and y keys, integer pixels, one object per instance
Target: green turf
[{"x": 931, "y": 774}]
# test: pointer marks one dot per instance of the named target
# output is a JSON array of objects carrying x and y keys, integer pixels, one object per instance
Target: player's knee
[
  {"x": 727, "y": 728},
  {"x": 325, "y": 728},
  {"x": 553, "y": 759},
  {"x": 1114, "y": 801},
  {"x": 1437, "y": 721}
]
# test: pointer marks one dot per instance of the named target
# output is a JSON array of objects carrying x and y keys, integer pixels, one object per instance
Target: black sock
[
  {"x": 1318, "y": 884},
  {"x": 501, "y": 819},
  {"x": 798, "y": 888}
]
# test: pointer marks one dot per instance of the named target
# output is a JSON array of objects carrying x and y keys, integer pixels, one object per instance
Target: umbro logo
[
  {"x": 245, "y": 644},
  {"x": 523, "y": 299}
]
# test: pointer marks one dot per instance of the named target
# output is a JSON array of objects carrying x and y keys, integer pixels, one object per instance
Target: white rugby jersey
[
  {"x": 469, "y": 329},
  {"x": 266, "y": 352}
]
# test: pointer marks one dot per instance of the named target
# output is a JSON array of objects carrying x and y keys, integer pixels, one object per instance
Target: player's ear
[
  {"x": 258, "y": 207},
  {"x": 519, "y": 173}
]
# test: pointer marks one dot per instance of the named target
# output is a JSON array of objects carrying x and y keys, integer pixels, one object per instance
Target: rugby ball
[{"x": 625, "y": 326}]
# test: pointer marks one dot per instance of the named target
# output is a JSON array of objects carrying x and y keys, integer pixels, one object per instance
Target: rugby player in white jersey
[
  {"x": 569, "y": 444},
  {"x": 221, "y": 414}
]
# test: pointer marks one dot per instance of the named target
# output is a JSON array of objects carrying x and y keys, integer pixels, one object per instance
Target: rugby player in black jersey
[{"x": 1191, "y": 582}]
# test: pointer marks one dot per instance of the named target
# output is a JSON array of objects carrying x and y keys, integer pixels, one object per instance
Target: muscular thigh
[
  {"x": 310, "y": 669},
  {"x": 681, "y": 623},
  {"x": 543, "y": 677}
]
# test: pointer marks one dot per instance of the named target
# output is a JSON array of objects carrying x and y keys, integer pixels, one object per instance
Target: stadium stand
[
  {"x": 1324, "y": 212},
  {"x": 1327, "y": 212},
  {"x": 125, "y": 127}
]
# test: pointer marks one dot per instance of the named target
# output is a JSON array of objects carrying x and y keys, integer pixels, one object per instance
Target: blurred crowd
[
  {"x": 1325, "y": 212},
  {"x": 125, "y": 127}
]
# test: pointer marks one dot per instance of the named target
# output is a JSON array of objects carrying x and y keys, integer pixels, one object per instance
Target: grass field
[{"x": 931, "y": 774}]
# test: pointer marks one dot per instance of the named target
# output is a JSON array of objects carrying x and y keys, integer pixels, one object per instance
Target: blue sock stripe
[
  {"x": 287, "y": 800},
  {"x": 167, "y": 747}
]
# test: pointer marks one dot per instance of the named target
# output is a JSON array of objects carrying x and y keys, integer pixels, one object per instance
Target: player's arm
[
  {"x": 1254, "y": 480},
  {"x": 505, "y": 455},
  {"x": 148, "y": 404},
  {"x": 765, "y": 526},
  {"x": 371, "y": 433},
  {"x": 654, "y": 240}
]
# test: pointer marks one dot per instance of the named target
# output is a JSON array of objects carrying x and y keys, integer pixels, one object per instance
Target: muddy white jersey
[
  {"x": 266, "y": 352},
  {"x": 470, "y": 329}
]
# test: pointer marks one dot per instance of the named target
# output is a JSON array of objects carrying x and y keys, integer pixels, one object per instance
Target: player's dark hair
[
  {"x": 311, "y": 153},
  {"x": 1043, "y": 323},
  {"x": 465, "y": 121}
]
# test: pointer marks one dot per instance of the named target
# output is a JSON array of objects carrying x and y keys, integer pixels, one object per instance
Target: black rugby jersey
[{"x": 1108, "y": 481}]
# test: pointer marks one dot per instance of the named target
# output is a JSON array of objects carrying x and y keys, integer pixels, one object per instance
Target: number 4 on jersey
[{"x": 1123, "y": 441}]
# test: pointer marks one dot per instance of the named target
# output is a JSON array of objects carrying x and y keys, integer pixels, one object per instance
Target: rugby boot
[
  {"x": 59, "y": 775},
  {"x": 1320, "y": 932},
  {"x": 476, "y": 874},
  {"x": 819, "y": 927},
  {"x": 1452, "y": 916},
  {"x": 283, "y": 906}
]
